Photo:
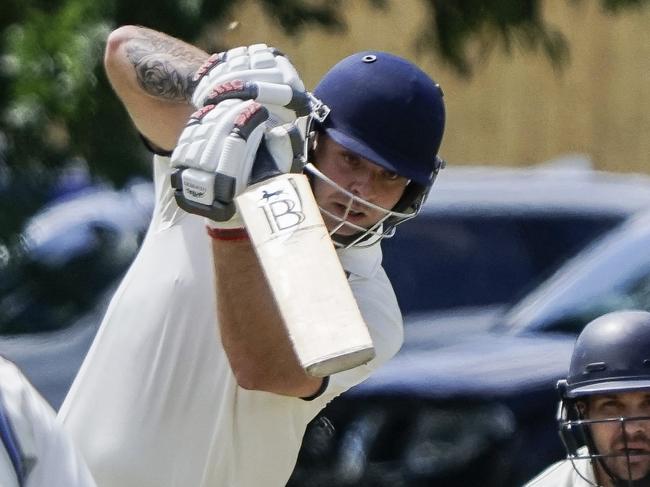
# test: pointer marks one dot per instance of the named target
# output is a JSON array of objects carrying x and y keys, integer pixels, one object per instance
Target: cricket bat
[{"x": 304, "y": 274}]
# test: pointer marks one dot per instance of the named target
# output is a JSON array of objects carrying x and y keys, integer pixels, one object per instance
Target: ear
[{"x": 582, "y": 407}]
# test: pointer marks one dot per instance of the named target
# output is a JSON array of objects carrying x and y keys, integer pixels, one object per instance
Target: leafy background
[{"x": 58, "y": 113}]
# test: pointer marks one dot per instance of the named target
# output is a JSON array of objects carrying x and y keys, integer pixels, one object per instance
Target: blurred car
[
  {"x": 479, "y": 410},
  {"x": 486, "y": 235},
  {"x": 56, "y": 281},
  {"x": 68, "y": 253},
  {"x": 503, "y": 227}
]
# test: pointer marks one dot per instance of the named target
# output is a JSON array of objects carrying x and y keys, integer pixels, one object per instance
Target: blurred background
[
  {"x": 538, "y": 224},
  {"x": 525, "y": 81}
]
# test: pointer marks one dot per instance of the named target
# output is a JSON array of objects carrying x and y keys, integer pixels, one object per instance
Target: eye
[
  {"x": 390, "y": 176},
  {"x": 350, "y": 159},
  {"x": 610, "y": 407}
]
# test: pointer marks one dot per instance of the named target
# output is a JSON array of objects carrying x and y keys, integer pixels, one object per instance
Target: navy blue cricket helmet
[
  {"x": 387, "y": 110},
  {"x": 612, "y": 354}
]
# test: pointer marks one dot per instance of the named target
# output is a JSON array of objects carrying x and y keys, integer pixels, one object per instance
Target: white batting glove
[
  {"x": 277, "y": 81},
  {"x": 215, "y": 157}
]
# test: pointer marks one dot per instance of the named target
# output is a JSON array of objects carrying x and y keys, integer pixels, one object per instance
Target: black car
[
  {"x": 480, "y": 408},
  {"x": 55, "y": 284},
  {"x": 486, "y": 235},
  {"x": 504, "y": 227}
]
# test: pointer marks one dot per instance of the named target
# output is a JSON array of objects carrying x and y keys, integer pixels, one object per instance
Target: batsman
[{"x": 192, "y": 379}]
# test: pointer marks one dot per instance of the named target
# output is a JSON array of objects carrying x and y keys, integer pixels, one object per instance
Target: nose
[
  {"x": 364, "y": 185},
  {"x": 636, "y": 428}
]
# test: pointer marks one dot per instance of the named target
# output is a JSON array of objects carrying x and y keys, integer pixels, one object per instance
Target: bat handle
[{"x": 264, "y": 166}]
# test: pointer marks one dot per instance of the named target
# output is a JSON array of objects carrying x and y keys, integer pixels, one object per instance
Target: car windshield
[
  {"x": 444, "y": 261},
  {"x": 613, "y": 273}
]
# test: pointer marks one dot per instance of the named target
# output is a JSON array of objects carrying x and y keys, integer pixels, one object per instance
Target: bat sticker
[{"x": 282, "y": 207}]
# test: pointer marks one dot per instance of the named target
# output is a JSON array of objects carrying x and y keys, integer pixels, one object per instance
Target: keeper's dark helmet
[
  {"x": 611, "y": 356},
  {"x": 387, "y": 110}
]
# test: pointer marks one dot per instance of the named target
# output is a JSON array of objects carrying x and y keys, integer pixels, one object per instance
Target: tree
[{"x": 56, "y": 104}]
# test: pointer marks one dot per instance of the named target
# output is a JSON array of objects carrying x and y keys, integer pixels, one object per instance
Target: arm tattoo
[{"x": 164, "y": 67}]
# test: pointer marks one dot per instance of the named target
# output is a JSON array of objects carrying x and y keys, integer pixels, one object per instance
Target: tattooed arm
[{"x": 151, "y": 73}]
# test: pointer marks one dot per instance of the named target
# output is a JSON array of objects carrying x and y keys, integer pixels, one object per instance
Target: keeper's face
[
  {"x": 359, "y": 176},
  {"x": 628, "y": 440}
]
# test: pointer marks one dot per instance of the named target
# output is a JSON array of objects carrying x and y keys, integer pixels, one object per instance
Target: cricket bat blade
[{"x": 305, "y": 276}]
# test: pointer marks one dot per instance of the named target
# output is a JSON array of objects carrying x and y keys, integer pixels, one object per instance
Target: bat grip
[{"x": 264, "y": 166}]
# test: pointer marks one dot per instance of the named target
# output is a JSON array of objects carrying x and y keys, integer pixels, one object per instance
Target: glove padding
[
  {"x": 275, "y": 80},
  {"x": 217, "y": 152},
  {"x": 241, "y": 94}
]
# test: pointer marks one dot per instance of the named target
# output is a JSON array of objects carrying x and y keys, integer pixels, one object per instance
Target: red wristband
[{"x": 227, "y": 233}]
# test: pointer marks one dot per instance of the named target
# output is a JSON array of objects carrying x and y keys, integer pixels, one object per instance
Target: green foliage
[
  {"x": 50, "y": 60},
  {"x": 295, "y": 15},
  {"x": 484, "y": 25},
  {"x": 56, "y": 104}
]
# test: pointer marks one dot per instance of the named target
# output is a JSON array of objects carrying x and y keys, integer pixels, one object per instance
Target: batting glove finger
[
  {"x": 214, "y": 157},
  {"x": 285, "y": 102},
  {"x": 257, "y": 62}
]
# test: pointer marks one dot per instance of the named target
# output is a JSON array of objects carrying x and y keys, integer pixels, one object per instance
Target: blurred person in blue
[
  {"x": 191, "y": 379},
  {"x": 604, "y": 414},
  {"x": 35, "y": 450}
]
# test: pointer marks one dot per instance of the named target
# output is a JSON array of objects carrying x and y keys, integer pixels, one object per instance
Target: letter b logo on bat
[
  {"x": 282, "y": 207},
  {"x": 295, "y": 251}
]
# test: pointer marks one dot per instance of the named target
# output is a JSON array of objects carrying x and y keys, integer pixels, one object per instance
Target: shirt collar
[{"x": 362, "y": 261}]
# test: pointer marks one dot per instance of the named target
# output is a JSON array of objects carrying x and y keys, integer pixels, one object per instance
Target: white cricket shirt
[
  {"x": 155, "y": 403},
  {"x": 563, "y": 474},
  {"x": 42, "y": 449}
]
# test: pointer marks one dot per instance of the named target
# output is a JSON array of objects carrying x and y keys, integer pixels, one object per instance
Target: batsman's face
[
  {"x": 629, "y": 439},
  {"x": 360, "y": 177}
]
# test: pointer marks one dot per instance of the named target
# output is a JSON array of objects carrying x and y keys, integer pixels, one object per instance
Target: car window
[
  {"x": 441, "y": 262},
  {"x": 601, "y": 278},
  {"x": 634, "y": 295}
]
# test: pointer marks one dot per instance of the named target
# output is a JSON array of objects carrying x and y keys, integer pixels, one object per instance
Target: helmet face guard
[
  {"x": 624, "y": 464},
  {"x": 611, "y": 358},
  {"x": 385, "y": 227}
]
